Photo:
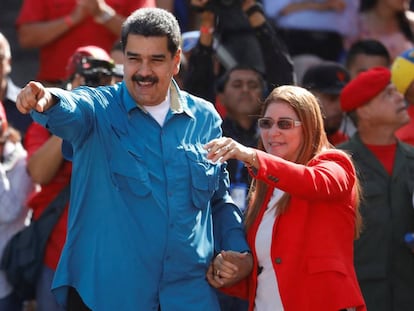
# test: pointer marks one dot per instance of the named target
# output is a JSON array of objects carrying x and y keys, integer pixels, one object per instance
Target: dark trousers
[{"x": 75, "y": 302}]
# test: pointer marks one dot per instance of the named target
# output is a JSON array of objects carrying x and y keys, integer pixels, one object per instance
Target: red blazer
[{"x": 312, "y": 246}]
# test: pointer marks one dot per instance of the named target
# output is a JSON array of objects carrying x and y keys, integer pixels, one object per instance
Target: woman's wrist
[{"x": 252, "y": 159}]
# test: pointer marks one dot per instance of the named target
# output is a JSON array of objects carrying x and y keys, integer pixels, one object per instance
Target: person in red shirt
[
  {"x": 58, "y": 28},
  {"x": 326, "y": 81}
]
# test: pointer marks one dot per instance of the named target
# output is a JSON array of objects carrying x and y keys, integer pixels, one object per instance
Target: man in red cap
[
  {"x": 385, "y": 166},
  {"x": 90, "y": 65}
]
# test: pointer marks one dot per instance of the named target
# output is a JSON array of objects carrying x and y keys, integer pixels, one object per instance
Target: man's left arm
[{"x": 229, "y": 233}]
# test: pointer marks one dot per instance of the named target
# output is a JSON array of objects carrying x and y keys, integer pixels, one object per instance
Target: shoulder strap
[{"x": 58, "y": 204}]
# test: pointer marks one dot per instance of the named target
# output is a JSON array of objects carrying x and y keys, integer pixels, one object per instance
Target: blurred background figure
[
  {"x": 117, "y": 55},
  {"x": 57, "y": 30},
  {"x": 9, "y": 91},
  {"x": 365, "y": 54},
  {"x": 210, "y": 59},
  {"x": 15, "y": 187},
  {"x": 314, "y": 27},
  {"x": 388, "y": 21},
  {"x": 89, "y": 65},
  {"x": 326, "y": 82}
]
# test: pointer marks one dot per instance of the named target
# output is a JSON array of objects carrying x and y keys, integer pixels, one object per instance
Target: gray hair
[{"x": 152, "y": 22}]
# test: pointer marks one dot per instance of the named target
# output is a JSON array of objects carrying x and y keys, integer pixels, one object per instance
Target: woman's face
[{"x": 284, "y": 143}]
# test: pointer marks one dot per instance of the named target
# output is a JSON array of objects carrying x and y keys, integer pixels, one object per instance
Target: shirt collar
[{"x": 178, "y": 100}]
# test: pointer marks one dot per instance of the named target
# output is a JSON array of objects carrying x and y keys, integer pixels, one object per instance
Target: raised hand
[{"x": 34, "y": 96}]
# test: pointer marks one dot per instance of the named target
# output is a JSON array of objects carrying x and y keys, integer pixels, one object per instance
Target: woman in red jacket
[{"x": 303, "y": 214}]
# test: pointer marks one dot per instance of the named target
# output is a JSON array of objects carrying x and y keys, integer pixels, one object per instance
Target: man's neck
[{"x": 377, "y": 136}]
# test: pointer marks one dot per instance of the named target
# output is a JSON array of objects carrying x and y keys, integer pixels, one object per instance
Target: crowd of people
[{"x": 252, "y": 155}]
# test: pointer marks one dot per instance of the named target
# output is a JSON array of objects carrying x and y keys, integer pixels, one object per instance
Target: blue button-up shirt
[{"x": 147, "y": 208}]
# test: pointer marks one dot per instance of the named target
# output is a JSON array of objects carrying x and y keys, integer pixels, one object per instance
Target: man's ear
[{"x": 177, "y": 61}]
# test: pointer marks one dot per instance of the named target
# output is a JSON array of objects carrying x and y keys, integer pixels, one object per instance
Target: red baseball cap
[{"x": 91, "y": 51}]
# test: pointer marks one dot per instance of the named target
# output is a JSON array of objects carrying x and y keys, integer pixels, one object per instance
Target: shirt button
[{"x": 278, "y": 260}]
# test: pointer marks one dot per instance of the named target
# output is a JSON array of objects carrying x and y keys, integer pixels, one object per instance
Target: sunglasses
[{"x": 282, "y": 123}]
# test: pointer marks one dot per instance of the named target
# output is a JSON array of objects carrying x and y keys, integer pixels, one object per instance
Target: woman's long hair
[{"x": 307, "y": 108}]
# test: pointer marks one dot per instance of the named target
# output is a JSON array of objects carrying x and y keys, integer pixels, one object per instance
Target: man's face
[
  {"x": 242, "y": 92},
  {"x": 387, "y": 108},
  {"x": 409, "y": 94},
  {"x": 331, "y": 110},
  {"x": 363, "y": 62},
  {"x": 149, "y": 68}
]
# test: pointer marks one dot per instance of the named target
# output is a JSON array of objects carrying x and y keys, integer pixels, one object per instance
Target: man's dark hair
[
  {"x": 222, "y": 81},
  {"x": 152, "y": 22},
  {"x": 369, "y": 47}
]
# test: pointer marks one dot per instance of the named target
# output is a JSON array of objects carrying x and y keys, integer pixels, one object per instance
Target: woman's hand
[{"x": 224, "y": 148}]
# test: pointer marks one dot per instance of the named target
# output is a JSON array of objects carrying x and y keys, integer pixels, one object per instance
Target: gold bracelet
[{"x": 253, "y": 161}]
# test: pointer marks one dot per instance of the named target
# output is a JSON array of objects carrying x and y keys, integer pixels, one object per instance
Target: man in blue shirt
[{"x": 148, "y": 210}]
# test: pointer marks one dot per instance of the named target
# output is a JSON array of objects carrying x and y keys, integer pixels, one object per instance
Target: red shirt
[
  {"x": 54, "y": 56},
  {"x": 36, "y": 136},
  {"x": 385, "y": 154},
  {"x": 337, "y": 138}
]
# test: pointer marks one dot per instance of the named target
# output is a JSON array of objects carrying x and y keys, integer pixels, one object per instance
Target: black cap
[{"x": 326, "y": 77}]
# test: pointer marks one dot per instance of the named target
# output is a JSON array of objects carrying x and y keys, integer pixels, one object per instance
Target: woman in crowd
[
  {"x": 303, "y": 214},
  {"x": 388, "y": 21}
]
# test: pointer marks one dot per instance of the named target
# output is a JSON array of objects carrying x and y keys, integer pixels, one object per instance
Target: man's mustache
[{"x": 139, "y": 78}]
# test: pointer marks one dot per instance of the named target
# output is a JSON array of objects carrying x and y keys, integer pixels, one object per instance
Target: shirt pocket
[
  {"x": 320, "y": 265},
  {"x": 204, "y": 176},
  {"x": 130, "y": 176}
]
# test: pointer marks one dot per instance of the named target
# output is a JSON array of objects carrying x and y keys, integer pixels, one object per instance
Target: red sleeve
[
  {"x": 240, "y": 289},
  {"x": 35, "y": 137},
  {"x": 32, "y": 11},
  {"x": 126, "y": 7},
  {"x": 330, "y": 174}
]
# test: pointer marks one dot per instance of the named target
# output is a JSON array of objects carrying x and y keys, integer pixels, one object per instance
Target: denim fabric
[{"x": 45, "y": 300}]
